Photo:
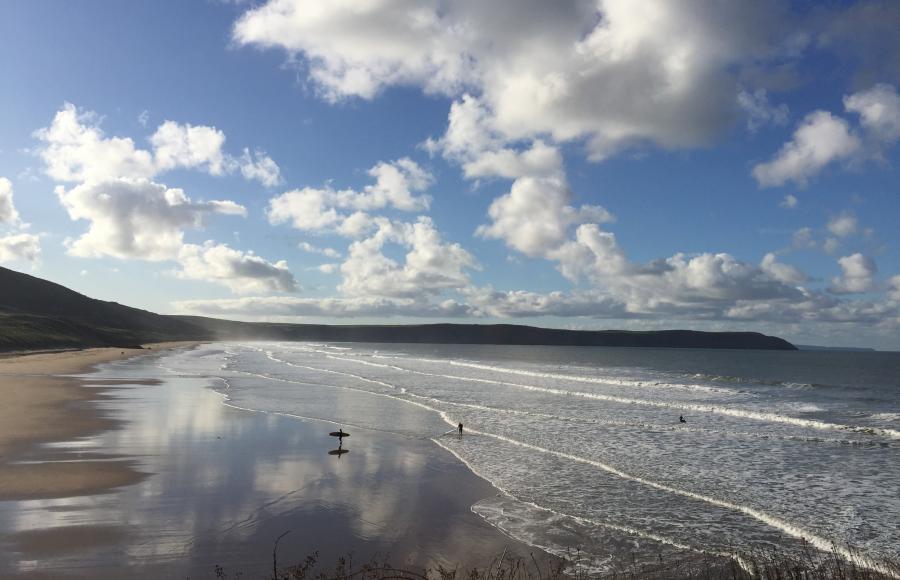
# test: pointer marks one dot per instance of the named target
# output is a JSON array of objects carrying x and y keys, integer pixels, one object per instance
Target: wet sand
[
  {"x": 152, "y": 476},
  {"x": 41, "y": 404}
]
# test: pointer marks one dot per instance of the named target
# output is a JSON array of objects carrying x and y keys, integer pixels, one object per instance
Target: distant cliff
[
  {"x": 489, "y": 334},
  {"x": 38, "y": 314}
]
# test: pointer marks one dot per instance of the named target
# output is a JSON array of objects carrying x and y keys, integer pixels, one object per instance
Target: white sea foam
[
  {"x": 795, "y": 485},
  {"x": 686, "y": 406}
]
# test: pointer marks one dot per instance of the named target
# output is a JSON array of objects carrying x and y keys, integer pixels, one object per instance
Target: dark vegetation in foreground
[
  {"x": 38, "y": 314},
  {"x": 761, "y": 565}
]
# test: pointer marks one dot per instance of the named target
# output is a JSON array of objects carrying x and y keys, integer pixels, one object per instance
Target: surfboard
[
  {"x": 338, "y": 451},
  {"x": 339, "y": 434}
]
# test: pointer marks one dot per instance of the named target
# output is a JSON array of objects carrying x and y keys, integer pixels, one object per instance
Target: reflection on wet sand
[{"x": 224, "y": 484}]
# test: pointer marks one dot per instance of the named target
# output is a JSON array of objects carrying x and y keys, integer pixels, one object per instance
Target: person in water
[
  {"x": 460, "y": 428},
  {"x": 681, "y": 419}
]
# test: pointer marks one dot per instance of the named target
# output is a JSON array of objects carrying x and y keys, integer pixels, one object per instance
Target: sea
[{"x": 793, "y": 451}]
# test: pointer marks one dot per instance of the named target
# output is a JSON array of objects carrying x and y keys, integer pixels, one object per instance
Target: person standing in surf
[{"x": 460, "y": 428}]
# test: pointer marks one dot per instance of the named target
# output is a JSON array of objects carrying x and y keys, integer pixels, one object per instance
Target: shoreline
[
  {"x": 45, "y": 403},
  {"x": 102, "y": 466}
]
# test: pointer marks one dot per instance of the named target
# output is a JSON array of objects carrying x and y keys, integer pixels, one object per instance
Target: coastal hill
[{"x": 39, "y": 314}]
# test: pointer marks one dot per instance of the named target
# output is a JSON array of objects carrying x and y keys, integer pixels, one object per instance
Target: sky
[{"x": 603, "y": 164}]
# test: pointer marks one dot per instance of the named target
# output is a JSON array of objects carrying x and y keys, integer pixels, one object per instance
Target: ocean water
[{"x": 584, "y": 445}]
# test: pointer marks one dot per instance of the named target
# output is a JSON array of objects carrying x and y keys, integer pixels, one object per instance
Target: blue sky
[{"x": 603, "y": 164}]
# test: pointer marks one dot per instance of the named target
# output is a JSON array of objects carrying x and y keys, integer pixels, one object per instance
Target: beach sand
[
  {"x": 132, "y": 472},
  {"x": 40, "y": 405}
]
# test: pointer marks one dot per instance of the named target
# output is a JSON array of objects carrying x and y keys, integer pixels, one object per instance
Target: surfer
[
  {"x": 681, "y": 419},
  {"x": 460, "y": 428}
]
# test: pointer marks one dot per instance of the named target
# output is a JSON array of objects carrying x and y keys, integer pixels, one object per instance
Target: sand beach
[{"x": 121, "y": 468}]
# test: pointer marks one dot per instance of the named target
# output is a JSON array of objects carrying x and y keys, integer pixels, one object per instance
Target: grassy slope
[{"x": 36, "y": 314}]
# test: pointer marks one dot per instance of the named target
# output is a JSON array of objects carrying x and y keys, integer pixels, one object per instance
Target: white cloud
[
  {"x": 831, "y": 245},
  {"x": 288, "y": 306},
  {"x": 593, "y": 254},
  {"x": 135, "y": 218},
  {"x": 20, "y": 247},
  {"x": 8, "y": 213},
  {"x": 820, "y": 139},
  {"x": 520, "y": 304},
  {"x": 803, "y": 239},
  {"x": 242, "y": 272},
  {"x": 858, "y": 275},
  {"x": 305, "y": 209},
  {"x": 189, "y": 146},
  {"x": 394, "y": 185},
  {"x": 260, "y": 167},
  {"x": 843, "y": 225},
  {"x": 789, "y": 201},
  {"x": 328, "y": 252},
  {"x": 782, "y": 272},
  {"x": 823, "y": 138},
  {"x": 879, "y": 111},
  {"x": 471, "y": 141},
  {"x": 700, "y": 285},
  {"x": 318, "y": 209},
  {"x": 759, "y": 111},
  {"x": 894, "y": 288},
  {"x": 614, "y": 72},
  {"x": 328, "y": 268},
  {"x": 76, "y": 150},
  {"x": 535, "y": 216},
  {"x": 430, "y": 265}
]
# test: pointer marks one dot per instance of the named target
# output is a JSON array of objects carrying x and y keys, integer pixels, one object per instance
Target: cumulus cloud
[
  {"x": 803, "y": 239},
  {"x": 75, "y": 149},
  {"x": 789, "y": 201},
  {"x": 20, "y": 247},
  {"x": 471, "y": 141},
  {"x": 760, "y": 111},
  {"x": 130, "y": 216},
  {"x": 8, "y": 213},
  {"x": 823, "y": 139},
  {"x": 843, "y": 225},
  {"x": 858, "y": 275},
  {"x": 16, "y": 247},
  {"x": 328, "y": 252},
  {"x": 241, "y": 272},
  {"x": 816, "y": 307},
  {"x": 260, "y": 167},
  {"x": 879, "y": 111},
  {"x": 135, "y": 218},
  {"x": 288, "y": 306},
  {"x": 894, "y": 288},
  {"x": 522, "y": 304},
  {"x": 344, "y": 211},
  {"x": 330, "y": 268},
  {"x": 820, "y": 139},
  {"x": 782, "y": 272},
  {"x": 613, "y": 72},
  {"x": 535, "y": 216},
  {"x": 430, "y": 265},
  {"x": 188, "y": 146}
]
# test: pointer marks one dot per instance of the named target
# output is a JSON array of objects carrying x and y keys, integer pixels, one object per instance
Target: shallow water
[
  {"x": 585, "y": 443},
  {"x": 222, "y": 485}
]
